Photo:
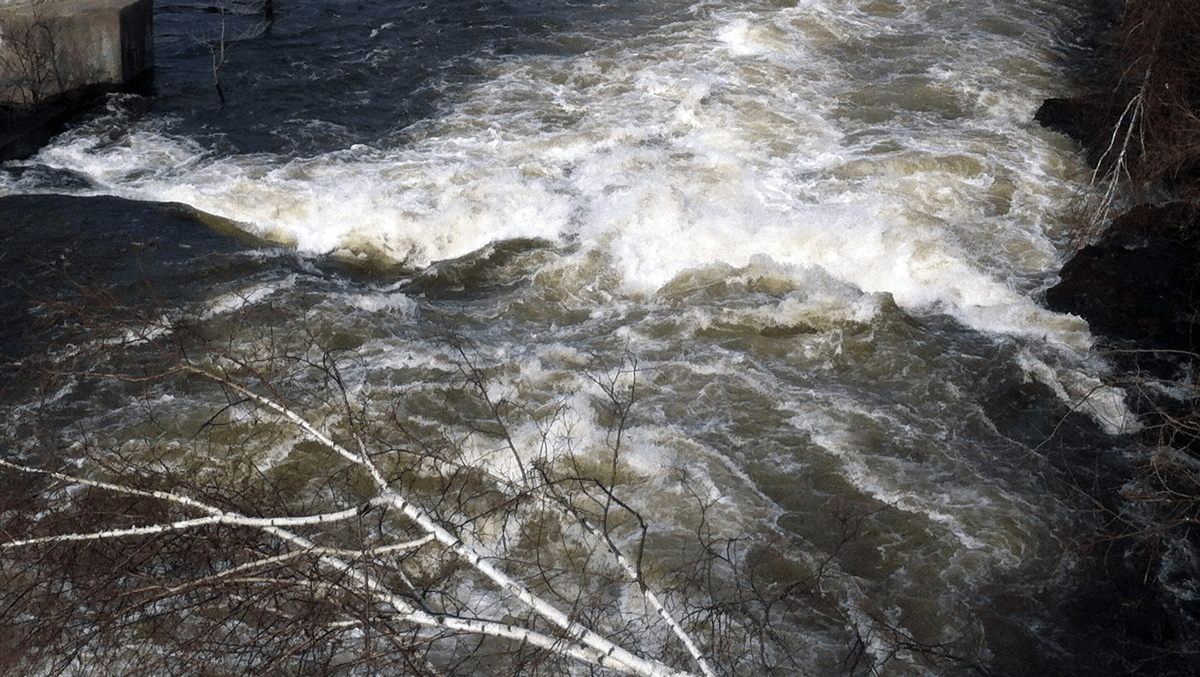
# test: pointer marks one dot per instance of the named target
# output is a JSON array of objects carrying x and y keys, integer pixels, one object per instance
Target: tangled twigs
[
  {"x": 1151, "y": 150},
  {"x": 370, "y": 573},
  {"x": 602, "y": 651}
]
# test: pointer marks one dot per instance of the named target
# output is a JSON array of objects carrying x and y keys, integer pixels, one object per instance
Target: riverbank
[{"x": 1136, "y": 280}]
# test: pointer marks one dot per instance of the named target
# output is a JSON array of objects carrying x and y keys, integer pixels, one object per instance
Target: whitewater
[{"x": 812, "y": 236}]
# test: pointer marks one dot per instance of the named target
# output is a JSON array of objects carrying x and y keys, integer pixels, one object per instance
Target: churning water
[{"x": 812, "y": 234}]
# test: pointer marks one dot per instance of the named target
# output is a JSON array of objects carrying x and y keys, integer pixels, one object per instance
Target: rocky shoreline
[
  {"x": 1137, "y": 117},
  {"x": 1136, "y": 279}
]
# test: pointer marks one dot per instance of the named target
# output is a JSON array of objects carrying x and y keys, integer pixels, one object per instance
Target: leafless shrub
[
  {"x": 32, "y": 60},
  {"x": 226, "y": 36},
  {"x": 1150, "y": 539},
  {"x": 1169, "y": 476},
  {"x": 386, "y": 545},
  {"x": 1152, "y": 113}
]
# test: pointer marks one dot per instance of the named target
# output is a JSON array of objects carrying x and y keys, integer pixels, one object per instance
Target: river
[{"x": 807, "y": 237}]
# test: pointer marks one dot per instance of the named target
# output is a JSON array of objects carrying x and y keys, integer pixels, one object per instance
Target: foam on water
[
  {"x": 716, "y": 142},
  {"x": 864, "y": 141}
]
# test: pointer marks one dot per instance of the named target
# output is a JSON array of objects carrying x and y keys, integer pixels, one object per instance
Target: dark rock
[
  {"x": 1082, "y": 119},
  {"x": 1139, "y": 283},
  {"x": 1065, "y": 116}
]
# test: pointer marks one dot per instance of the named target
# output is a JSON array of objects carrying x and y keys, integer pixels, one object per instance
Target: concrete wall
[{"x": 51, "y": 47}]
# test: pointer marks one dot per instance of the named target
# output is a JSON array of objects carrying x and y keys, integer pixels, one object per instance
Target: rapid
[{"x": 810, "y": 236}]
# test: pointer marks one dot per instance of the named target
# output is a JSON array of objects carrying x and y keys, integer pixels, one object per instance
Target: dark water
[{"x": 327, "y": 75}]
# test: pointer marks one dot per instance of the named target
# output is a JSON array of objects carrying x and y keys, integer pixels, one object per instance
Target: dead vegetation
[
  {"x": 1137, "y": 236},
  {"x": 1145, "y": 143}
]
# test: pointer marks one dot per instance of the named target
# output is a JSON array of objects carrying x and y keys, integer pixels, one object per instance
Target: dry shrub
[
  {"x": 1162, "y": 75},
  {"x": 1151, "y": 129},
  {"x": 1151, "y": 540},
  {"x": 376, "y": 542}
]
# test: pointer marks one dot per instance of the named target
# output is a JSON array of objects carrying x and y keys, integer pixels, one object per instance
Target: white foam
[{"x": 720, "y": 141}]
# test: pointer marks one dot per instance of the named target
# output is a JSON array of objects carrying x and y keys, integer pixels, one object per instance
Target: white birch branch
[
  {"x": 615, "y": 659},
  {"x": 580, "y": 642},
  {"x": 181, "y": 525},
  {"x": 603, "y": 647}
]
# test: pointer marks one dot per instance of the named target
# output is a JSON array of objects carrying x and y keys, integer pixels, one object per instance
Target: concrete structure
[
  {"x": 56, "y": 55},
  {"x": 51, "y": 47}
]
